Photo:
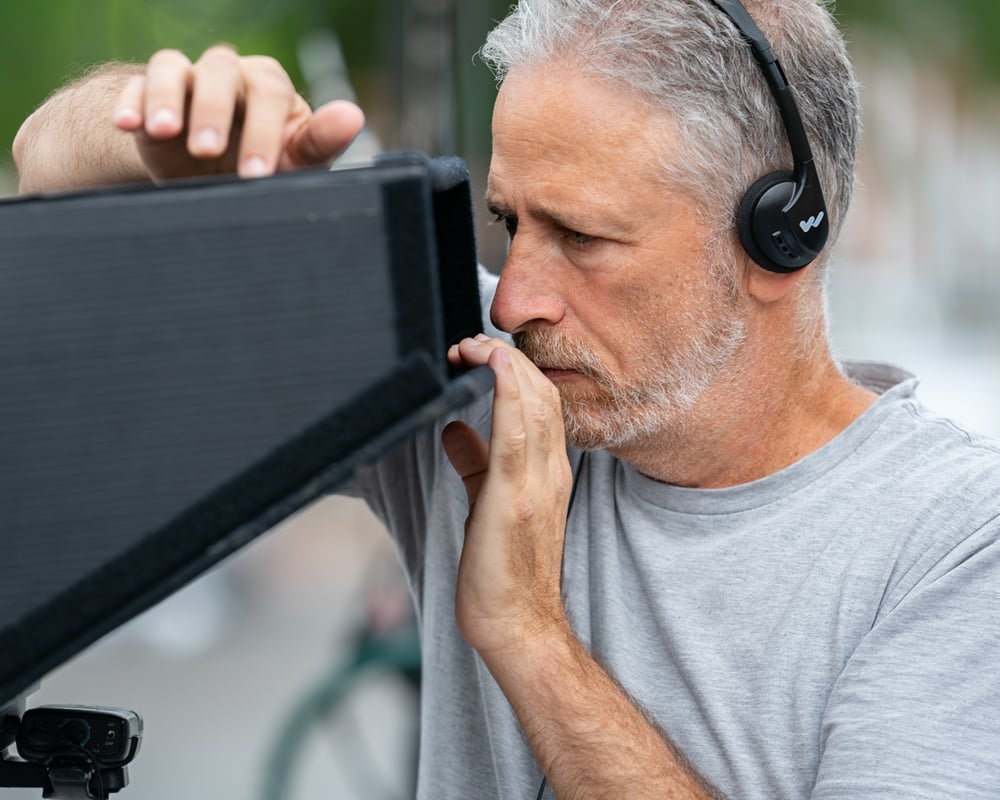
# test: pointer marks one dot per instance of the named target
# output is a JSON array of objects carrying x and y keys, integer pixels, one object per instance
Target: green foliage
[
  {"x": 44, "y": 44},
  {"x": 958, "y": 35}
]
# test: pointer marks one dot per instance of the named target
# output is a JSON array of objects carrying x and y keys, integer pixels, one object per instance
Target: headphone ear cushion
[{"x": 753, "y": 221}]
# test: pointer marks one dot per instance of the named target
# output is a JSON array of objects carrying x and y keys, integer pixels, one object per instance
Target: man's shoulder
[
  {"x": 936, "y": 448},
  {"x": 917, "y": 437}
]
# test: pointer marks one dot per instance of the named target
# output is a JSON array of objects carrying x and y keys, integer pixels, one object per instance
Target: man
[{"x": 754, "y": 573}]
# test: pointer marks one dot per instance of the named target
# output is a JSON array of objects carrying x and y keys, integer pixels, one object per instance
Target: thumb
[
  {"x": 326, "y": 133},
  {"x": 469, "y": 455}
]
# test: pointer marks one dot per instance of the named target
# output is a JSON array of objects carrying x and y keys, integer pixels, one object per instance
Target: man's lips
[{"x": 559, "y": 373}]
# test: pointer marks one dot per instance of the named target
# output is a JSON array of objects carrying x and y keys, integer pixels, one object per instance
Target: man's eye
[
  {"x": 579, "y": 239},
  {"x": 509, "y": 222}
]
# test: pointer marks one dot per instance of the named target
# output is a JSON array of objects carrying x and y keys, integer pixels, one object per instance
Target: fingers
[
  {"x": 215, "y": 90},
  {"x": 127, "y": 114},
  {"x": 270, "y": 100},
  {"x": 326, "y": 134},
  {"x": 164, "y": 94},
  {"x": 528, "y": 436},
  {"x": 468, "y": 454},
  {"x": 245, "y": 109},
  {"x": 509, "y": 574}
]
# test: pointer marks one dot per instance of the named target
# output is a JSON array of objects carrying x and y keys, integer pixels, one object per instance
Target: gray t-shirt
[{"x": 830, "y": 631}]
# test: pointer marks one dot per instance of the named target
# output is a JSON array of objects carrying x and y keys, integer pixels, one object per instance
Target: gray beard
[{"x": 623, "y": 413}]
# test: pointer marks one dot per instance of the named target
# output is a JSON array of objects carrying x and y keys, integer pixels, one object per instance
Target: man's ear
[{"x": 768, "y": 287}]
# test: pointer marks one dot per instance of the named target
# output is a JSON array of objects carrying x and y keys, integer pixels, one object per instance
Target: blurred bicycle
[{"x": 365, "y": 709}]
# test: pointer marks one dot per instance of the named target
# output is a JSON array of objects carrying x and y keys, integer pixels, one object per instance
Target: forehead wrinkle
[
  {"x": 573, "y": 141},
  {"x": 553, "y": 177}
]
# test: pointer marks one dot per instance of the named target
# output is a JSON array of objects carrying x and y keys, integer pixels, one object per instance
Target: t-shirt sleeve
[
  {"x": 408, "y": 488},
  {"x": 916, "y": 711}
]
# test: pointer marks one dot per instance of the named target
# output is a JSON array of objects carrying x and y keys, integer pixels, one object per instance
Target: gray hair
[{"x": 686, "y": 57}]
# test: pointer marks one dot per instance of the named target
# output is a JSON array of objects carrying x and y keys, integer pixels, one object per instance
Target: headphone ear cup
[{"x": 758, "y": 217}]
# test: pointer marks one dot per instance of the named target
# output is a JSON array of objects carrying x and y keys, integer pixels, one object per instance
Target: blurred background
[{"x": 239, "y": 676}]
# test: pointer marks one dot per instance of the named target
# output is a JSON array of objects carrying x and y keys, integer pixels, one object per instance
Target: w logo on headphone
[{"x": 813, "y": 222}]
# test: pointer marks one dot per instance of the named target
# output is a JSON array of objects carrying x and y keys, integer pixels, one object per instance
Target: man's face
[{"x": 609, "y": 284}]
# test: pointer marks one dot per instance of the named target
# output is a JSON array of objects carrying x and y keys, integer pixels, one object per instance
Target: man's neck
[{"x": 744, "y": 430}]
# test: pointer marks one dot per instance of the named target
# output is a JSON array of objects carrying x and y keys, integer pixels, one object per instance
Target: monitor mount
[{"x": 69, "y": 752}]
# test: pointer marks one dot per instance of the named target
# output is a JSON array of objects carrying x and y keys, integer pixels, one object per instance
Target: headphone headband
[{"x": 783, "y": 221}]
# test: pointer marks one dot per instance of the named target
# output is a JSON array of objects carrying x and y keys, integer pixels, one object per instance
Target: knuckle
[
  {"x": 564, "y": 485},
  {"x": 540, "y": 422},
  {"x": 218, "y": 57},
  {"x": 271, "y": 89},
  {"x": 512, "y": 458},
  {"x": 134, "y": 86},
  {"x": 267, "y": 70},
  {"x": 169, "y": 57},
  {"x": 524, "y": 513}
]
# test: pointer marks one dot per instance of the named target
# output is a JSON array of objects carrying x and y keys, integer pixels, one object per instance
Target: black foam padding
[
  {"x": 183, "y": 367},
  {"x": 454, "y": 229}
]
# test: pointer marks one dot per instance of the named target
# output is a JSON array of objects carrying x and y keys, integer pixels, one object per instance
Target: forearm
[
  {"x": 590, "y": 738},
  {"x": 70, "y": 141}
]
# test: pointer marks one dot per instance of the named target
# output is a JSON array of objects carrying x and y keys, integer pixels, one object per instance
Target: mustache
[{"x": 556, "y": 351}]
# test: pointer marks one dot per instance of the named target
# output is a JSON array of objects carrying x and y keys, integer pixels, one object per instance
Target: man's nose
[{"x": 528, "y": 291}]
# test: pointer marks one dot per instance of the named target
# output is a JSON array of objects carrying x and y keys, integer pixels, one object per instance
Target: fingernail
[
  {"x": 482, "y": 337},
  {"x": 207, "y": 140},
  {"x": 127, "y": 117},
  {"x": 164, "y": 118},
  {"x": 254, "y": 167}
]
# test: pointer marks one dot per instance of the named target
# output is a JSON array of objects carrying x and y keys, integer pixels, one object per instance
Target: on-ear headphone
[{"x": 782, "y": 220}]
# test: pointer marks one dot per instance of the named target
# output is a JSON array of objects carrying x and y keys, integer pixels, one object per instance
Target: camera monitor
[{"x": 182, "y": 367}]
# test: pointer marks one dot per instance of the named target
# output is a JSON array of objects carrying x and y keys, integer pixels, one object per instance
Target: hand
[
  {"x": 227, "y": 113},
  {"x": 518, "y": 487}
]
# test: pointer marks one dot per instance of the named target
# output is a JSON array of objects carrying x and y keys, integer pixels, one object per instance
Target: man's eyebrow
[
  {"x": 498, "y": 207},
  {"x": 604, "y": 227}
]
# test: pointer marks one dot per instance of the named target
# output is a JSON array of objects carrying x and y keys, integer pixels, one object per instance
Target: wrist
[{"x": 533, "y": 646}]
